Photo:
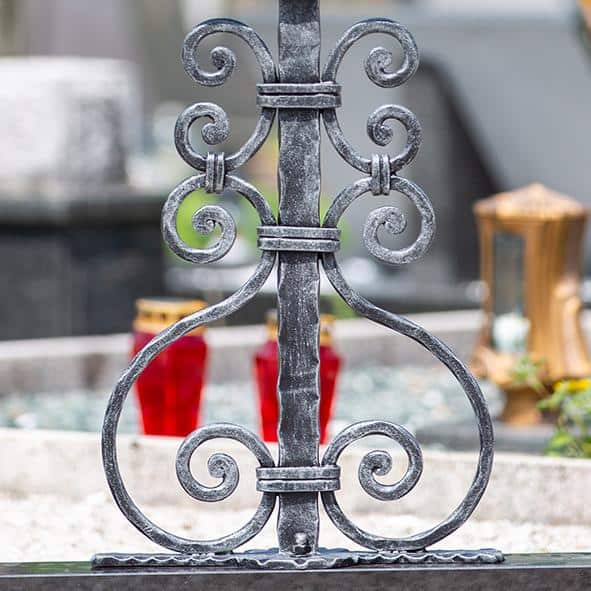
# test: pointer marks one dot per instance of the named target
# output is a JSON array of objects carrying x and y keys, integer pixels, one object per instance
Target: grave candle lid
[
  {"x": 156, "y": 314},
  {"x": 533, "y": 202}
]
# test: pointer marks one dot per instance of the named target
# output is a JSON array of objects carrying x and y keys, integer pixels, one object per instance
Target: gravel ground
[
  {"x": 411, "y": 396},
  {"x": 47, "y": 528}
]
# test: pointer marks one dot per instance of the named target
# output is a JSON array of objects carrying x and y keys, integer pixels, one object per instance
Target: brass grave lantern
[{"x": 530, "y": 261}]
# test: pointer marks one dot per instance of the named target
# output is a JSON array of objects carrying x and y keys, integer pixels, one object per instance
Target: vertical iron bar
[{"x": 298, "y": 274}]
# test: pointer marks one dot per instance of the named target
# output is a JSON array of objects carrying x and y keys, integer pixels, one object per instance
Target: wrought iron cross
[{"x": 300, "y": 95}]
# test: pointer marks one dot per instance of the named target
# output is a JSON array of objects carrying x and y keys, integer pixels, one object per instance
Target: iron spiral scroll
[{"x": 214, "y": 176}]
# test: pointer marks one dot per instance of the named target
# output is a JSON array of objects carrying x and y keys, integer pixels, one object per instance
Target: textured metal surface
[
  {"x": 298, "y": 479},
  {"x": 295, "y": 245},
  {"x": 225, "y": 61},
  {"x": 303, "y": 239},
  {"x": 377, "y": 68},
  {"x": 300, "y": 88},
  {"x": 298, "y": 473},
  {"x": 298, "y": 281},
  {"x": 299, "y": 101},
  {"x": 322, "y": 559},
  {"x": 298, "y": 486},
  {"x": 299, "y": 240},
  {"x": 300, "y": 233},
  {"x": 391, "y": 218}
]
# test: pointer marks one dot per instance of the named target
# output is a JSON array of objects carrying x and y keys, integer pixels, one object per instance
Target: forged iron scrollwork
[
  {"x": 220, "y": 467},
  {"x": 207, "y": 218},
  {"x": 383, "y": 179},
  {"x": 390, "y": 217},
  {"x": 224, "y": 60},
  {"x": 382, "y": 168},
  {"x": 214, "y": 179},
  {"x": 322, "y": 98},
  {"x": 470, "y": 386},
  {"x": 376, "y": 68}
]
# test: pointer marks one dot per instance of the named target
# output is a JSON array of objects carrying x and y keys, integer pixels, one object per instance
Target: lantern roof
[{"x": 532, "y": 202}]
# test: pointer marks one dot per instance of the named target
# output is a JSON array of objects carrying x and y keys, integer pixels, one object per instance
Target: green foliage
[
  {"x": 527, "y": 372},
  {"x": 250, "y": 220},
  {"x": 571, "y": 400},
  {"x": 184, "y": 223},
  {"x": 339, "y": 308},
  {"x": 247, "y": 224}
]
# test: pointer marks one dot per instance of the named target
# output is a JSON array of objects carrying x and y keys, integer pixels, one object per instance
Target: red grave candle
[
  {"x": 266, "y": 368},
  {"x": 169, "y": 389}
]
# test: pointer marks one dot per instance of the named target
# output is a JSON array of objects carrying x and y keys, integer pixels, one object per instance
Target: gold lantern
[{"x": 530, "y": 260}]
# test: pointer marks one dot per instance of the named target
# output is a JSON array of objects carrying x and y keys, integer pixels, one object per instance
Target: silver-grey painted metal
[
  {"x": 470, "y": 386},
  {"x": 271, "y": 559},
  {"x": 208, "y": 217},
  {"x": 300, "y": 88},
  {"x": 299, "y": 101},
  {"x": 298, "y": 473},
  {"x": 225, "y": 61},
  {"x": 300, "y": 241},
  {"x": 298, "y": 280},
  {"x": 313, "y": 95},
  {"x": 379, "y": 463},
  {"x": 298, "y": 486}
]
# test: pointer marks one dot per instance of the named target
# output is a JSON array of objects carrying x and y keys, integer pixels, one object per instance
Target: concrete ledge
[
  {"x": 523, "y": 489},
  {"x": 96, "y": 362}
]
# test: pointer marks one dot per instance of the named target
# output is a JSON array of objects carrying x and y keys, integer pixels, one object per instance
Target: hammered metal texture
[
  {"x": 301, "y": 96},
  {"x": 324, "y": 558}
]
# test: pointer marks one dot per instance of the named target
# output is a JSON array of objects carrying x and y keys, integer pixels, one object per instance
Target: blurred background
[
  {"x": 89, "y": 95},
  {"x": 90, "y": 91}
]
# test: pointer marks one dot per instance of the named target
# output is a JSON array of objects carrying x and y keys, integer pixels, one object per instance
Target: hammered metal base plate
[{"x": 273, "y": 559}]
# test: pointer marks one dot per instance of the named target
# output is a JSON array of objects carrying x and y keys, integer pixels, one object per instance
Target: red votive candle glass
[
  {"x": 169, "y": 389},
  {"x": 266, "y": 368}
]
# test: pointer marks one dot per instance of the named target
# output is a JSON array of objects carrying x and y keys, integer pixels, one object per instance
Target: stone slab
[
  {"x": 521, "y": 572},
  {"x": 463, "y": 436},
  {"x": 85, "y": 110},
  {"x": 523, "y": 489}
]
